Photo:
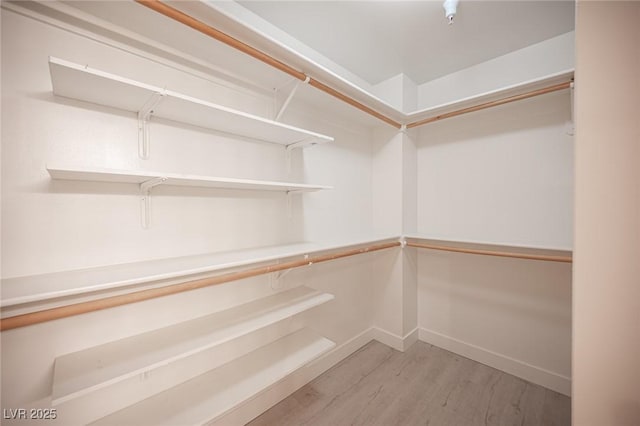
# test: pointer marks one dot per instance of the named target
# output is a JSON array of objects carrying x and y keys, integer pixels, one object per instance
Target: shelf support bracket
[
  {"x": 145, "y": 201},
  {"x": 290, "y": 203},
  {"x": 570, "y": 127},
  {"x": 289, "y": 97},
  {"x": 144, "y": 115},
  {"x": 294, "y": 145},
  {"x": 275, "y": 279}
]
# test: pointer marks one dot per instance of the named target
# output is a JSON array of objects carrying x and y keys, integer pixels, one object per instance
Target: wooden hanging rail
[
  {"x": 208, "y": 30},
  {"x": 550, "y": 258},
  {"x": 491, "y": 104},
  {"x": 139, "y": 296}
]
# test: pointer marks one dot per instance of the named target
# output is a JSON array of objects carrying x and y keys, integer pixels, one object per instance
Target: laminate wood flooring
[{"x": 425, "y": 385}]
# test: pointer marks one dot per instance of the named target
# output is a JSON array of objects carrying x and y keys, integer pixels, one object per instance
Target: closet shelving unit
[
  {"x": 147, "y": 364},
  {"x": 86, "y": 84}
]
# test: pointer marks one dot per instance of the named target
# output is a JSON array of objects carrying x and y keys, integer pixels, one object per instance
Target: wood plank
[{"x": 425, "y": 385}]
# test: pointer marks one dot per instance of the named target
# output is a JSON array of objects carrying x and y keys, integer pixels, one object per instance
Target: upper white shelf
[
  {"x": 86, "y": 84},
  {"x": 491, "y": 96},
  {"x": 496, "y": 248},
  {"x": 175, "y": 179}
]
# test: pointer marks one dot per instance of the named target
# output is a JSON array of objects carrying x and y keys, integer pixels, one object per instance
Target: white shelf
[
  {"x": 86, "y": 84},
  {"x": 60, "y": 288},
  {"x": 475, "y": 100},
  {"x": 175, "y": 179},
  {"x": 210, "y": 395},
  {"x": 487, "y": 245},
  {"x": 80, "y": 373}
]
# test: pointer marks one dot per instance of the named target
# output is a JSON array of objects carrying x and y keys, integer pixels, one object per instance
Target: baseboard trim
[
  {"x": 531, "y": 373},
  {"x": 393, "y": 340}
]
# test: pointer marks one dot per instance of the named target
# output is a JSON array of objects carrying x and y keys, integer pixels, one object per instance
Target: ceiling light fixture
[{"x": 450, "y": 9}]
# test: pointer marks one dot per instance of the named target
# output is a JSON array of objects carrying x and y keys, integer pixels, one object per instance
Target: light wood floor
[{"x": 425, "y": 385}]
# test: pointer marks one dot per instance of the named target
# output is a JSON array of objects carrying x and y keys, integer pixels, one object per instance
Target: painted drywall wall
[
  {"x": 51, "y": 226},
  {"x": 394, "y": 172},
  {"x": 512, "y": 314},
  {"x": 606, "y": 309},
  {"x": 503, "y": 175},
  {"x": 533, "y": 62},
  {"x": 399, "y": 91}
]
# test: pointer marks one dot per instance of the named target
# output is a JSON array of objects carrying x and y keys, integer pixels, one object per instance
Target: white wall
[
  {"x": 512, "y": 314},
  {"x": 50, "y": 226},
  {"x": 530, "y": 63},
  {"x": 399, "y": 91},
  {"x": 501, "y": 175},
  {"x": 606, "y": 319}
]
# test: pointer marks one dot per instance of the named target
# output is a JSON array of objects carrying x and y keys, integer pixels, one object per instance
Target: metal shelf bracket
[
  {"x": 570, "y": 126},
  {"x": 145, "y": 201},
  {"x": 286, "y": 102},
  {"x": 144, "y": 115},
  {"x": 294, "y": 145}
]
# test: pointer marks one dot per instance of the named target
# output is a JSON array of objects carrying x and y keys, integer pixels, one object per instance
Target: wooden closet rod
[
  {"x": 200, "y": 26},
  {"x": 491, "y": 104},
  {"x": 550, "y": 258},
  {"x": 139, "y": 296}
]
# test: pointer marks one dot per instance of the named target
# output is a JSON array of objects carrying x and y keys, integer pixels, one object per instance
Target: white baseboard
[
  {"x": 393, "y": 340},
  {"x": 262, "y": 401},
  {"x": 531, "y": 373}
]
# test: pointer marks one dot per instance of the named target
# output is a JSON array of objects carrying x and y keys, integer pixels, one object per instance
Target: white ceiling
[{"x": 377, "y": 40}]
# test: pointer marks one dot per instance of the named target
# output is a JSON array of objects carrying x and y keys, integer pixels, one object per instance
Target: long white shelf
[
  {"x": 86, "y": 84},
  {"x": 80, "y": 373},
  {"x": 514, "y": 248},
  {"x": 35, "y": 291},
  {"x": 494, "y": 95},
  {"x": 212, "y": 394},
  {"x": 175, "y": 179}
]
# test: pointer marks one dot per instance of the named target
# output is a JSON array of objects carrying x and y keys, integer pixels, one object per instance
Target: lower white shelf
[
  {"x": 81, "y": 373},
  {"x": 174, "y": 179},
  {"x": 210, "y": 395}
]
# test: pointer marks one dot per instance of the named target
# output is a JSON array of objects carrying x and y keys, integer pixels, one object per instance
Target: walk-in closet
[{"x": 320, "y": 213}]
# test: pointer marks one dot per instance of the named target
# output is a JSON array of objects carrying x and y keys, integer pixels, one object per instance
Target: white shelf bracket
[
  {"x": 290, "y": 203},
  {"x": 145, "y": 201},
  {"x": 275, "y": 279},
  {"x": 570, "y": 127},
  {"x": 287, "y": 158},
  {"x": 292, "y": 146},
  {"x": 144, "y": 115},
  {"x": 289, "y": 97}
]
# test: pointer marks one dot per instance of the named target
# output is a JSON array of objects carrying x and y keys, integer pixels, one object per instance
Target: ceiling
[{"x": 377, "y": 40}]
